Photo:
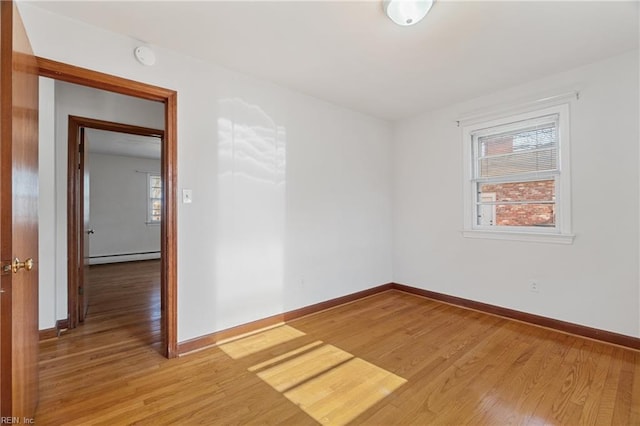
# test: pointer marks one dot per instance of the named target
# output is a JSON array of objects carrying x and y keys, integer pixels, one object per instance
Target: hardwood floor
[{"x": 392, "y": 358}]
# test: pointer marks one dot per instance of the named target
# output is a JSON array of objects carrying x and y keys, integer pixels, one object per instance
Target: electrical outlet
[{"x": 534, "y": 287}]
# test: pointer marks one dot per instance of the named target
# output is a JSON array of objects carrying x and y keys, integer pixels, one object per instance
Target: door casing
[
  {"x": 75, "y": 199},
  {"x": 168, "y": 166}
]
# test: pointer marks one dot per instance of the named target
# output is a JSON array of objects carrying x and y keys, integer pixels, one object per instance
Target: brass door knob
[{"x": 17, "y": 265}]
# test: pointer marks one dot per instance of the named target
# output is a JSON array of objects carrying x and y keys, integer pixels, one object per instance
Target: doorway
[
  {"x": 87, "y": 137},
  {"x": 168, "y": 166}
]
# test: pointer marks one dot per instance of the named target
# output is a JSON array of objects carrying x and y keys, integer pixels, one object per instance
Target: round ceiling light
[{"x": 407, "y": 12}]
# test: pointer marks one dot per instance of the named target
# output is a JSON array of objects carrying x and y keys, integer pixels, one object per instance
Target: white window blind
[
  {"x": 517, "y": 176},
  {"x": 517, "y": 152},
  {"x": 515, "y": 168}
]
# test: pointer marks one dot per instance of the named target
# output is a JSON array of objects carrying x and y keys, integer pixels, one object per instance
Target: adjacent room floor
[{"x": 392, "y": 358}]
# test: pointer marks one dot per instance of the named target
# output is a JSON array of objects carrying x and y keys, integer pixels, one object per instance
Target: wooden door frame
[
  {"x": 168, "y": 227},
  {"x": 75, "y": 200}
]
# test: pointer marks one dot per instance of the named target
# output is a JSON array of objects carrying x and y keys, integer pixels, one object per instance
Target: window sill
[{"x": 520, "y": 236}]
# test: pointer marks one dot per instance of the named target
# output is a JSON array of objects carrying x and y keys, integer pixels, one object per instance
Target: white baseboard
[{"x": 123, "y": 258}]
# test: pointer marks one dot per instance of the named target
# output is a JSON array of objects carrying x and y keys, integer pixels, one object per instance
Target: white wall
[
  {"x": 46, "y": 205},
  {"x": 118, "y": 208},
  {"x": 291, "y": 195},
  {"x": 594, "y": 281}
]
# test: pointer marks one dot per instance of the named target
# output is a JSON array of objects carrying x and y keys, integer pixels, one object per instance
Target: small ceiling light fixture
[{"x": 407, "y": 12}]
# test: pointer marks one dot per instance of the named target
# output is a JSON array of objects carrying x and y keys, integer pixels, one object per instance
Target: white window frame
[
  {"x": 150, "y": 200},
  {"x": 562, "y": 231}
]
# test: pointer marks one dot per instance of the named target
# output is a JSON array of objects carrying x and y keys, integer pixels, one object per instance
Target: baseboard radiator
[{"x": 123, "y": 257}]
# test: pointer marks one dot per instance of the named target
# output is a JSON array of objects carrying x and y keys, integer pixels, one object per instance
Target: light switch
[{"x": 187, "y": 196}]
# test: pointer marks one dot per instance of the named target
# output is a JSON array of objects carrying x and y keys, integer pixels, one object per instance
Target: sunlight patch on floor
[
  {"x": 329, "y": 384},
  {"x": 285, "y": 376},
  {"x": 260, "y": 341},
  {"x": 345, "y": 392},
  {"x": 285, "y": 356}
]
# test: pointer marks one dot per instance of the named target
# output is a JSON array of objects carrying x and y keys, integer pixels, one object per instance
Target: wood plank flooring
[{"x": 447, "y": 365}]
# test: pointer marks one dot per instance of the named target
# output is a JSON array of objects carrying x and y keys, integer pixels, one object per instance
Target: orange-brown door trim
[
  {"x": 168, "y": 228},
  {"x": 75, "y": 174}
]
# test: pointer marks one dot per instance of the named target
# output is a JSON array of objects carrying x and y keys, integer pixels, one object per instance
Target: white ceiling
[
  {"x": 351, "y": 54},
  {"x": 115, "y": 143}
]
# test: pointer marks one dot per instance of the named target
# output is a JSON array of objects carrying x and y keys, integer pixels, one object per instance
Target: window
[
  {"x": 517, "y": 179},
  {"x": 154, "y": 198}
]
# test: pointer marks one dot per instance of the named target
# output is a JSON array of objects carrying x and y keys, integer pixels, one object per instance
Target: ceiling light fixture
[{"x": 407, "y": 12}]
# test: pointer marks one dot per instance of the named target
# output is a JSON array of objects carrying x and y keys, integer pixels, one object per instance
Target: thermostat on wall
[{"x": 145, "y": 55}]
